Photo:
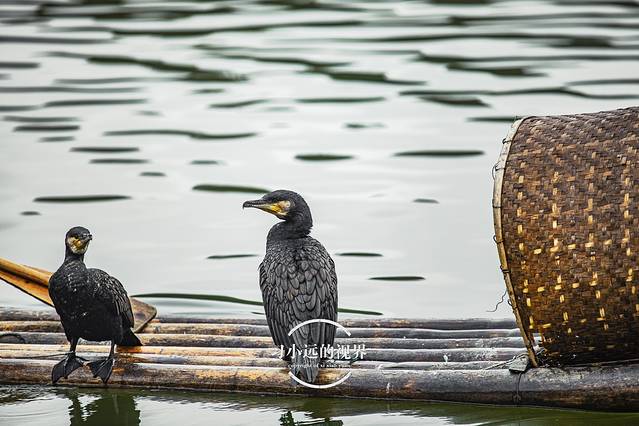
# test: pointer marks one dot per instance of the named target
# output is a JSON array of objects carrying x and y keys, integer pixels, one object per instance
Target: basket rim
[{"x": 499, "y": 169}]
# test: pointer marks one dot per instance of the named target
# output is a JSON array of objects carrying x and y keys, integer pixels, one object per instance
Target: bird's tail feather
[
  {"x": 130, "y": 339},
  {"x": 305, "y": 367}
]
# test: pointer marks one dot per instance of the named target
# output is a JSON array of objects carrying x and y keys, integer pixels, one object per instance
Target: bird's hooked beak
[
  {"x": 80, "y": 244},
  {"x": 279, "y": 209},
  {"x": 83, "y": 241}
]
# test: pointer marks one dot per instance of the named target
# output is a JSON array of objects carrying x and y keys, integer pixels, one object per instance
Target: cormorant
[
  {"x": 298, "y": 282},
  {"x": 91, "y": 304}
]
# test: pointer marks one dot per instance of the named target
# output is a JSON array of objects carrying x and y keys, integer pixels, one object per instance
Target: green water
[
  {"x": 37, "y": 406},
  {"x": 151, "y": 122}
]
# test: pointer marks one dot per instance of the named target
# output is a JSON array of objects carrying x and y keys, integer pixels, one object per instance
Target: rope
[
  {"x": 16, "y": 335},
  {"x": 499, "y": 303},
  {"x": 500, "y": 364},
  {"x": 56, "y": 354},
  {"x": 51, "y": 355},
  {"x": 517, "y": 395}
]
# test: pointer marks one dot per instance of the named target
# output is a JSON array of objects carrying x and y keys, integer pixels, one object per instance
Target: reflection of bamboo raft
[{"x": 216, "y": 354}]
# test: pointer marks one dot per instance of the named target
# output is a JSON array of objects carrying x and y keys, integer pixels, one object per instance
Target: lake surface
[
  {"x": 151, "y": 122},
  {"x": 30, "y": 405}
]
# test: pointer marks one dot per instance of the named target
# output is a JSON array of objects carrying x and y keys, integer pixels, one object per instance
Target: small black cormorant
[
  {"x": 298, "y": 282},
  {"x": 92, "y": 305}
]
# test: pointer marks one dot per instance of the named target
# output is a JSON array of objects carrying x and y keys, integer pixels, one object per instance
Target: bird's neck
[
  {"x": 296, "y": 227},
  {"x": 70, "y": 256}
]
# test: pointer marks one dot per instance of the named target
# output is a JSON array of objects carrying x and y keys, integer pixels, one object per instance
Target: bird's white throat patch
[{"x": 77, "y": 246}]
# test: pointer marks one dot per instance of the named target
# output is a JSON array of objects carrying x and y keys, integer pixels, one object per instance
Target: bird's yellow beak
[
  {"x": 279, "y": 209},
  {"x": 79, "y": 245}
]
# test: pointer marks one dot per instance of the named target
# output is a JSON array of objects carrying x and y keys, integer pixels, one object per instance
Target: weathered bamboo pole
[
  {"x": 438, "y": 324},
  {"x": 21, "y": 326},
  {"x": 391, "y": 355},
  {"x": 103, "y": 349},
  {"x": 35, "y": 282},
  {"x": 8, "y": 314},
  {"x": 54, "y": 326},
  {"x": 265, "y": 342},
  {"x": 575, "y": 387},
  {"x": 16, "y": 314},
  {"x": 262, "y": 330},
  {"x": 36, "y": 353},
  {"x": 37, "y": 276},
  {"x": 238, "y": 361}
]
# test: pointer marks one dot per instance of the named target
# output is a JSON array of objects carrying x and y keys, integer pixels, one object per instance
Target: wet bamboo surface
[{"x": 445, "y": 360}]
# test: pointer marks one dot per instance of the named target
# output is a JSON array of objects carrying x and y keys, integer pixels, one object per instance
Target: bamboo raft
[{"x": 442, "y": 360}]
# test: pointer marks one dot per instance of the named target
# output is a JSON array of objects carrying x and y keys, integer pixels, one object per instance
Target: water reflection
[
  {"x": 288, "y": 420},
  {"x": 106, "y": 408},
  {"x": 127, "y": 407}
]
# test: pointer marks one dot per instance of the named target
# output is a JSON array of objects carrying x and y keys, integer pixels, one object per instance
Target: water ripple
[
  {"x": 323, "y": 157},
  {"x": 24, "y": 119},
  {"x": 18, "y": 65},
  {"x": 118, "y": 161},
  {"x": 441, "y": 153},
  {"x": 341, "y": 100},
  {"x": 80, "y": 198},
  {"x": 192, "y": 72},
  {"x": 230, "y": 188},
  {"x": 189, "y": 133},
  {"x": 92, "y": 102},
  {"x": 399, "y": 278},
  {"x": 50, "y": 128},
  {"x": 105, "y": 149},
  {"x": 66, "y": 89},
  {"x": 230, "y": 256}
]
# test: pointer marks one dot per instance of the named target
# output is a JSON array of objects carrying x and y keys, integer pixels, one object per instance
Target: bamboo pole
[
  {"x": 439, "y": 324},
  {"x": 24, "y": 352},
  {"x": 54, "y": 326},
  {"x": 265, "y": 342},
  {"x": 38, "y": 276},
  {"x": 573, "y": 388},
  {"x": 391, "y": 355},
  {"x": 361, "y": 332},
  {"x": 33, "y": 288},
  {"x": 21, "y": 326},
  {"x": 103, "y": 348},
  {"x": 35, "y": 282},
  {"x": 17, "y": 314},
  {"x": 11, "y": 314}
]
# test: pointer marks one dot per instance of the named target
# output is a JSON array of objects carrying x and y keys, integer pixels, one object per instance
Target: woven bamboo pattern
[{"x": 567, "y": 226}]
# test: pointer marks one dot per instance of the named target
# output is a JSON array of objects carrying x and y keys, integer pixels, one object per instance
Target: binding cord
[
  {"x": 499, "y": 303},
  {"x": 501, "y": 364},
  {"x": 16, "y": 335},
  {"x": 55, "y": 354},
  {"x": 23, "y": 341},
  {"x": 517, "y": 395}
]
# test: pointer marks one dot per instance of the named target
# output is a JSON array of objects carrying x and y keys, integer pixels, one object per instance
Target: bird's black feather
[
  {"x": 298, "y": 283},
  {"x": 92, "y": 305}
]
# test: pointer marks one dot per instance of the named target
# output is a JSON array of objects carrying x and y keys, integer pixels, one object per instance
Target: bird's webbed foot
[
  {"x": 102, "y": 369},
  {"x": 64, "y": 368}
]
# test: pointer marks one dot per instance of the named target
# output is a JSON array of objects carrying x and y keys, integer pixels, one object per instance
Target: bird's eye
[{"x": 284, "y": 205}]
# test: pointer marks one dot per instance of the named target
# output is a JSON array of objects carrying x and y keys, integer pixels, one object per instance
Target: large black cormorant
[
  {"x": 92, "y": 305},
  {"x": 298, "y": 282}
]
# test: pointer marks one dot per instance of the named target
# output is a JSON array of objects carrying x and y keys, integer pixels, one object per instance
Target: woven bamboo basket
[{"x": 566, "y": 212}]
